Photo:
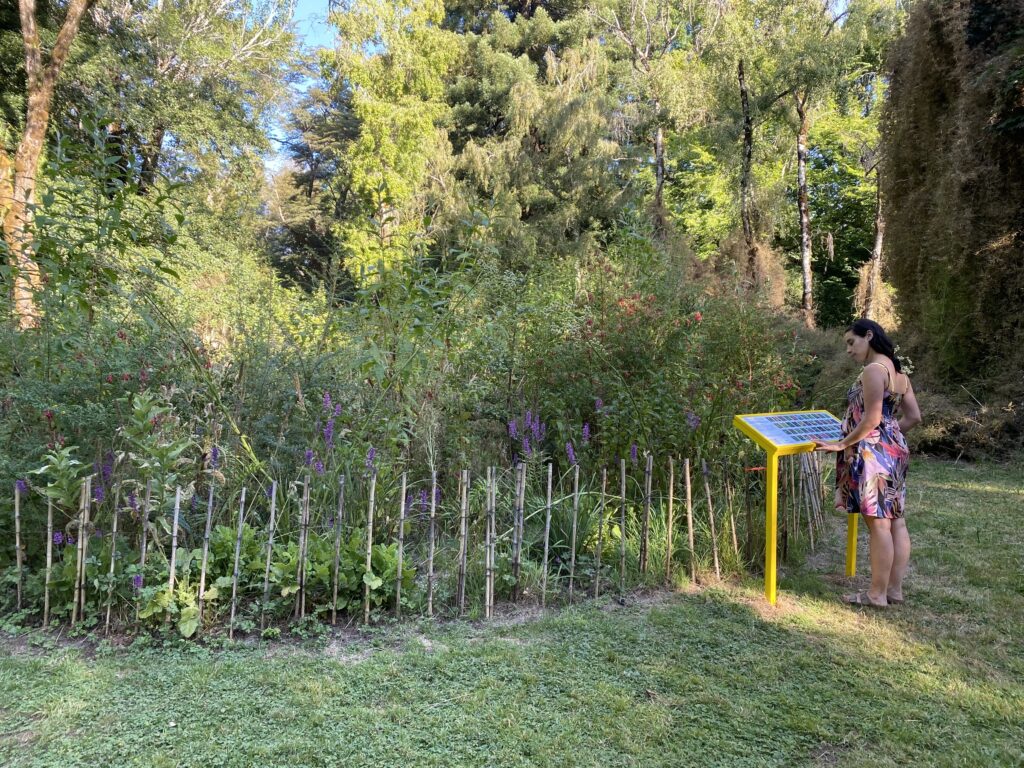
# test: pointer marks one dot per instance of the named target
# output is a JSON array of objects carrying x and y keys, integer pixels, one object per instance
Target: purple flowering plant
[{"x": 21, "y": 485}]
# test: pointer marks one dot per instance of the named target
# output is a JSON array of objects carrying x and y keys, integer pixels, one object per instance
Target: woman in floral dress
[{"x": 872, "y": 458}]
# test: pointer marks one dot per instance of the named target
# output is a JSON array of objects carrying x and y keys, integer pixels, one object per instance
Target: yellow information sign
[{"x": 785, "y": 434}]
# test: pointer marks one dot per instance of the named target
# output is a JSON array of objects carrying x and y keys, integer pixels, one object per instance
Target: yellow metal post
[
  {"x": 851, "y": 545},
  {"x": 771, "y": 516}
]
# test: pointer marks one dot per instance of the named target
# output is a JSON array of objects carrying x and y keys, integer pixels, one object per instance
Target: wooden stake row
[{"x": 801, "y": 484}]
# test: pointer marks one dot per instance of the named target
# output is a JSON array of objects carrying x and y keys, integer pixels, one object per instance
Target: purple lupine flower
[
  {"x": 408, "y": 503},
  {"x": 633, "y": 453},
  {"x": 570, "y": 453},
  {"x": 318, "y": 467},
  {"x": 99, "y": 493},
  {"x": 329, "y": 433},
  {"x": 58, "y": 538},
  {"x": 269, "y": 492},
  {"x": 586, "y": 432},
  {"x": 370, "y": 456},
  {"x": 437, "y": 495},
  {"x": 133, "y": 503},
  {"x": 214, "y": 457},
  {"x": 21, "y": 485},
  {"x": 527, "y": 450},
  {"x": 327, "y": 401},
  {"x": 528, "y": 418},
  {"x": 69, "y": 540},
  {"x": 107, "y": 470},
  {"x": 693, "y": 420},
  {"x": 598, "y": 404},
  {"x": 337, "y": 410},
  {"x": 137, "y": 582},
  {"x": 308, "y": 458},
  {"x": 423, "y": 500},
  {"x": 536, "y": 428},
  {"x": 513, "y": 429}
]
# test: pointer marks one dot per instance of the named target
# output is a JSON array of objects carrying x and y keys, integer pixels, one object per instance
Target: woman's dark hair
[{"x": 879, "y": 341}]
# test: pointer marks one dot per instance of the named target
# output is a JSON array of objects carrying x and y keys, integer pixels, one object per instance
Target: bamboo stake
[
  {"x": 622, "y": 529},
  {"x": 494, "y": 534},
  {"x": 671, "y": 519},
  {"x": 206, "y": 553},
  {"x": 78, "y": 554},
  {"x": 516, "y": 542},
  {"x": 689, "y": 520},
  {"x": 547, "y": 538},
  {"x": 337, "y": 549},
  {"x": 732, "y": 517},
  {"x": 805, "y": 493},
  {"x": 17, "y": 536},
  {"x": 369, "y": 547},
  {"x": 300, "y": 601},
  {"x": 174, "y": 541},
  {"x": 49, "y": 561},
  {"x": 486, "y": 544},
  {"x": 575, "y": 519},
  {"x": 645, "y": 526},
  {"x": 142, "y": 544},
  {"x": 711, "y": 517},
  {"x": 271, "y": 530},
  {"x": 401, "y": 548},
  {"x": 234, "y": 572},
  {"x": 430, "y": 545},
  {"x": 84, "y": 538},
  {"x": 78, "y": 611},
  {"x": 145, "y": 523},
  {"x": 463, "y": 541},
  {"x": 600, "y": 532},
  {"x": 784, "y": 505},
  {"x": 113, "y": 559},
  {"x": 794, "y": 503},
  {"x": 748, "y": 546}
]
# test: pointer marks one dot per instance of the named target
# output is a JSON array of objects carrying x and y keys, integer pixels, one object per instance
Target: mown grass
[{"x": 705, "y": 677}]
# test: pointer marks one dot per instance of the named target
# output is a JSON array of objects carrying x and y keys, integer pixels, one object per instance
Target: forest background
[{"x": 632, "y": 218}]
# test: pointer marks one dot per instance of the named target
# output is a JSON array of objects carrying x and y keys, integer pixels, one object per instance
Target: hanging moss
[{"x": 954, "y": 187}]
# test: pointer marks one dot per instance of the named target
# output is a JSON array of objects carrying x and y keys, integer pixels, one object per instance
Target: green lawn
[{"x": 706, "y": 677}]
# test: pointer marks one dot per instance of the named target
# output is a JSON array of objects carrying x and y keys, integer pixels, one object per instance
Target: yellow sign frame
[{"x": 771, "y": 498}]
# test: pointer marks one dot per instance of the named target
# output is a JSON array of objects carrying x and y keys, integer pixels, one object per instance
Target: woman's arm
[
  {"x": 910, "y": 413},
  {"x": 873, "y": 379}
]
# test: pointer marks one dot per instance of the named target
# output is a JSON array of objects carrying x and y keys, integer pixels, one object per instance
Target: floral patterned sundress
[{"x": 871, "y": 476}]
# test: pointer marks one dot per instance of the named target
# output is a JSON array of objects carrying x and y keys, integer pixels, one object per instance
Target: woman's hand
[{"x": 831, "y": 447}]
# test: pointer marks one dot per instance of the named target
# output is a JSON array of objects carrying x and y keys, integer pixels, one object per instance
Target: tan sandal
[{"x": 861, "y": 598}]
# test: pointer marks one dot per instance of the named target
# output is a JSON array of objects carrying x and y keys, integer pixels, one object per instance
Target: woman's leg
[
  {"x": 880, "y": 540},
  {"x": 901, "y": 557}
]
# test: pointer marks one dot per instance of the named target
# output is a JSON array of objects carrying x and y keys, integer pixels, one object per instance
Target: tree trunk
[
  {"x": 151, "y": 159},
  {"x": 746, "y": 177},
  {"x": 21, "y": 188},
  {"x": 875, "y": 270},
  {"x": 659, "y": 171},
  {"x": 807, "y": 302}
]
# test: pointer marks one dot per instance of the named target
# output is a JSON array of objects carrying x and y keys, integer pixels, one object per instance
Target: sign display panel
[{"x": 796, "y": 428}]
